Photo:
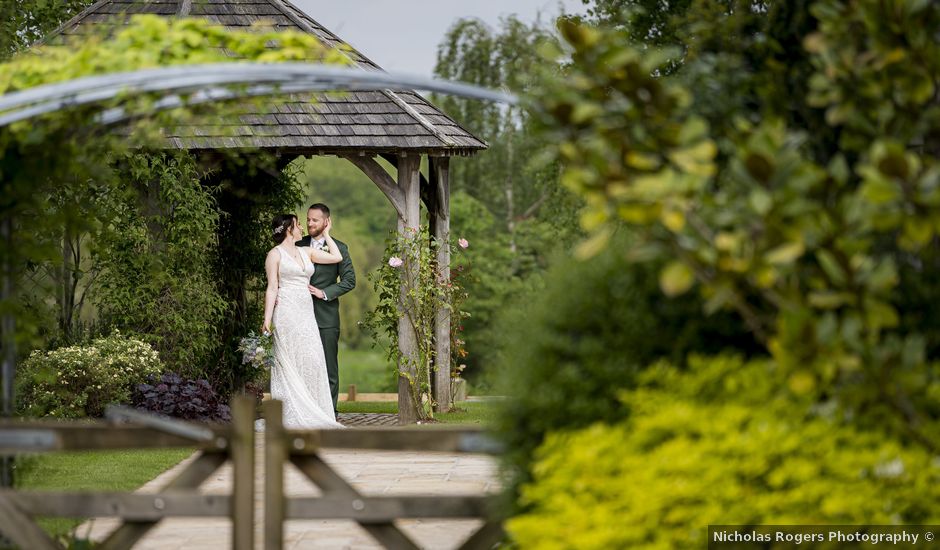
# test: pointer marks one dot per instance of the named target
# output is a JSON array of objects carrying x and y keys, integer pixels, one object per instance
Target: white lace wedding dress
[{"x": 298, "y": 377}]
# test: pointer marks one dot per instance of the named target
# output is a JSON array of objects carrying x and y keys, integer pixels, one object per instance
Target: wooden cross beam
[{"x": 340, "y": 500}]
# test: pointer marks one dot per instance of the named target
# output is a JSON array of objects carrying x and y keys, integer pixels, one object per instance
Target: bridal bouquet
[{"x": 257, "y": 351}]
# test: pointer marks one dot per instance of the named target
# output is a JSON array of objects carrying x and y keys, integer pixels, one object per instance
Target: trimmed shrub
[
  {"x": 678, "y": 464},
  {"x": 79, "y": 381},
  {"x": 174, "y": 396}
]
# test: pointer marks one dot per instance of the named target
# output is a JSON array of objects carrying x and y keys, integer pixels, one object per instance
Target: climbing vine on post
[{"x": 417, "y": 303}]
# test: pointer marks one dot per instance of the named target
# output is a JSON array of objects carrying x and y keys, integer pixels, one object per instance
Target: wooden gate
[{"x": 218, "y": 444}]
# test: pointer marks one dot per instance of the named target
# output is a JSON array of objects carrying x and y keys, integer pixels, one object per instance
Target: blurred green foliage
[
  {"x": 572, "y": 348},
  {"x": 781, "y": 159},
  {"x": 714, "y": 446},
  {"x": 368, "y": 369},
  {"x": 784, "y": 184}
]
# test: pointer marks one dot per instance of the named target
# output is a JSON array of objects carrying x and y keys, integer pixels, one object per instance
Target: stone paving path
[
  {"x": 372, "y": 473},
  {"x": 368, "y": 419}
]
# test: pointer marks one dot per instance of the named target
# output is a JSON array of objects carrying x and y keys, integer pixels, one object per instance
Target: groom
[{"x": 328, "y": 283}]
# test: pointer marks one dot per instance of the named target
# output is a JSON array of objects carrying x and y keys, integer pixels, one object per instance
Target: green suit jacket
[{"x": 334, "y": 280}]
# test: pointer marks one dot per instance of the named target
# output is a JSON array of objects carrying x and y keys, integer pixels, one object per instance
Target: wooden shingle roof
[{"x": 332, "y": 123}]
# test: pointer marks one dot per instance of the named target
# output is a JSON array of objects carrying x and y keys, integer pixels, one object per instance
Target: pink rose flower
[
  {"x": 395, "y": 261},
  {"x": 463, "y": 243}
]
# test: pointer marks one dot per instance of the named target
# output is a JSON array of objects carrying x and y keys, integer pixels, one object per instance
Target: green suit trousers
[{"x": 330, "y": 338}]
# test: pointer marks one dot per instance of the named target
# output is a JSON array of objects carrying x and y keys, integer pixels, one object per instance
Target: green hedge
[{"x": 697, "y": 450}]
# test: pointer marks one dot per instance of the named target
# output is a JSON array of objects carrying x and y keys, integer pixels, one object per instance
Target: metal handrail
[{"x": 215, "y": 81}]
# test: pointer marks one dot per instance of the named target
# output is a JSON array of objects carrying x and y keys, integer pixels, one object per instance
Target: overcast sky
[{"x": 402, "y": 35}]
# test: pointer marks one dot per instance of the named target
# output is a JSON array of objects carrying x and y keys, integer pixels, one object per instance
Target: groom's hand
[{"x": 315, "y": 291}]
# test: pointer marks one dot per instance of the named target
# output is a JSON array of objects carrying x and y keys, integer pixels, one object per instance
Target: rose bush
[{"x": 417, "y": 303}]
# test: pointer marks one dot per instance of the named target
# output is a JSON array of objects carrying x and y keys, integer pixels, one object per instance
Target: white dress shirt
[{"x": 319, "y": 244}]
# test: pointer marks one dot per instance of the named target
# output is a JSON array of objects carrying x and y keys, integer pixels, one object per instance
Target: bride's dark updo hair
[{"x": 280, "y": 226}]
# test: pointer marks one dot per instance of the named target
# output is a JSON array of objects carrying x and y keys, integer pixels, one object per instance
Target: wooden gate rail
[
  {"x": 341, "y": 500},
  {"x": 139, "y": 512}
]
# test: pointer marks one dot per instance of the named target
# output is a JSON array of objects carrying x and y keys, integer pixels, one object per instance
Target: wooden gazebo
[{"x": 399, "y": 126}]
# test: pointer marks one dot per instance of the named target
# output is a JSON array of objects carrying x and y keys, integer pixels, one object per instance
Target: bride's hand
[
  {"x": 266, "y": 328},
  {"x": 329, "y": 225}
]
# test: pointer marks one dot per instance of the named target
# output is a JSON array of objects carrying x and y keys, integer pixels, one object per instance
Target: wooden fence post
[
  {"x": 275, "y": 454},
  {"x": 243, "y": 473}
]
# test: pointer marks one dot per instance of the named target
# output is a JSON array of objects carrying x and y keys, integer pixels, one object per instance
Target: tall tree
[
  {"x": 506, "y": 202},
  {"x": 654, "y": 22},
  {"x": 504, "y": 179},
  {"x": 23, "y": 22}
]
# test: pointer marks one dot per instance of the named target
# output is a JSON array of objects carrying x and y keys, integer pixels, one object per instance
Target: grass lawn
[
  {"x": 368, "y": 370},
  {"x": 91, "y": 471},
  {"x": 477, "y": 412},
  {"x": 467, "y": 412},
  {"x": 372, "y": 373}
]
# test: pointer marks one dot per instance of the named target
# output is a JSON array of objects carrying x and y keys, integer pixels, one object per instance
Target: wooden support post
[
  {"x": 243, "y": 473},
  {"x": 275, "y": 454},
  {"x": 7, "y": 344},
  {"x": 439, "y": 180},
  {"x": 405, "y": 196},
  {"x": 409, "y": 183},
  {"x": 351, "y": 394}
]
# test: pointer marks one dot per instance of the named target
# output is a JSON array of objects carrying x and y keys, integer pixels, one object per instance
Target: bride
[{"x": 298, "y": 377}]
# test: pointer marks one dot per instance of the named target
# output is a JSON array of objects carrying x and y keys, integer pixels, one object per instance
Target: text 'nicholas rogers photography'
[{"x": 798, "y": 535}]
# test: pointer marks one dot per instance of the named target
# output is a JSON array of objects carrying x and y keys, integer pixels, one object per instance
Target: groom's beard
[{"x": 316, "y": 235}]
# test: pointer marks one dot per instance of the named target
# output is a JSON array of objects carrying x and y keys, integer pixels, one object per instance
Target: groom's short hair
[{"x": 321, "y": 207}]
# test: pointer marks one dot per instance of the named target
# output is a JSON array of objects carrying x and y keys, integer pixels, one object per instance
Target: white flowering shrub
[{"x": 79, "y": 381}]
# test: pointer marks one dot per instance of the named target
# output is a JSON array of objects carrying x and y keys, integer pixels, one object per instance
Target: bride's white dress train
[{"x": 298, "y": 377}]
